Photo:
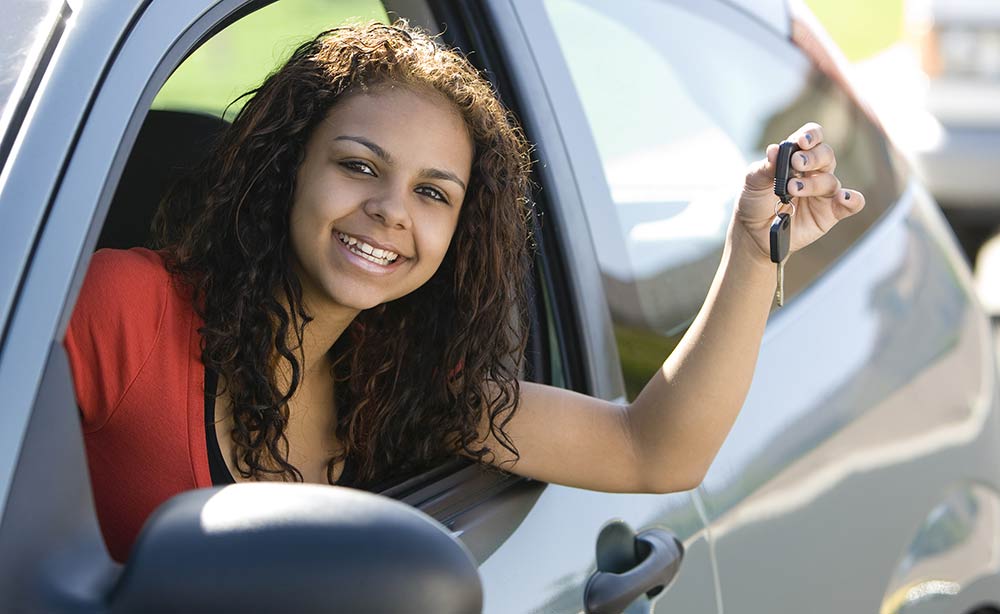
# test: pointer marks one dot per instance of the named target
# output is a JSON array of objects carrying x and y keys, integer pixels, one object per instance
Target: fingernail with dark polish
[
  {"x": 847, "y": 196},
  {"x": 799, "y": 185},
  {"x": 805, "y": 160},
  {"x": 809, "y": 138}
]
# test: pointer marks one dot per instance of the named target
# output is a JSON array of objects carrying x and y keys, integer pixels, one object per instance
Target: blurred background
[{"x": 931, "y": 70}]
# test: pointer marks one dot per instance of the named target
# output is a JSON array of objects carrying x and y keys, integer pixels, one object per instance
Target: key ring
[{"x": 777, "y": 208}]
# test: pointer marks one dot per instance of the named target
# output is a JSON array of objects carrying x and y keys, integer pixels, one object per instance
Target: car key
[
  {"x": 781, "y": 231},
  {"x": 783, "y": 170},
  {"x": 781, "y": 225}
]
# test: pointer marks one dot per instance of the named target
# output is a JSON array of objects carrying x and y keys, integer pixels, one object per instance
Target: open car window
[{"x": 193, "y": 106}]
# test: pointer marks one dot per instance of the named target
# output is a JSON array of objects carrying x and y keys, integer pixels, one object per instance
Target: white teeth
[{"x": 376, "y": 255}]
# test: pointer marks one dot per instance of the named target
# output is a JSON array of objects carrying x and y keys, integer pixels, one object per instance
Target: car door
[{"x": 872, "y": 411}]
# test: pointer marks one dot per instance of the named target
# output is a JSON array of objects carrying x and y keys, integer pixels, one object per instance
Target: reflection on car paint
[
  {"x": 824, "y": 455},
  {"x": 956, "y": 545}
]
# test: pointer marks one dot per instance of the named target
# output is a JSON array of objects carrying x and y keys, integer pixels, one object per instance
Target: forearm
[{"x": 684, "y": 413}]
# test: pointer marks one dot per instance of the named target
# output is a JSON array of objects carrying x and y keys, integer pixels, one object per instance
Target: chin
[
  {"x": 360, "y": 296},
  {"x": 356, "y": 300}
]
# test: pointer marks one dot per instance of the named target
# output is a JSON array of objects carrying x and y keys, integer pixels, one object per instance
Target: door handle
[{"x": 657, "y": 558}]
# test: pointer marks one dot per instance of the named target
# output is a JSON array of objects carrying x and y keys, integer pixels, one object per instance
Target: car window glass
[
  {"x": 26, "y": 26},
  {"x": 678, "y": 105},
  {"x": 237, "y": 59}
]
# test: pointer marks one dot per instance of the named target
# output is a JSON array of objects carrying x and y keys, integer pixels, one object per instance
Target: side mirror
[{"x": 295, "y": 548}]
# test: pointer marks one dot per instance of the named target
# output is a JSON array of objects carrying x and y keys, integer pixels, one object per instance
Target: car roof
[{"x": 775, "y": 13}]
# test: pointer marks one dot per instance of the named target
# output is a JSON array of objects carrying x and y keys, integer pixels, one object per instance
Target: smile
[{"x": 371, "y": 253}]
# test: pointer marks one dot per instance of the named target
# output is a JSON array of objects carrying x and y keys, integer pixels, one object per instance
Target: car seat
[{"x": 170, "y": 143}]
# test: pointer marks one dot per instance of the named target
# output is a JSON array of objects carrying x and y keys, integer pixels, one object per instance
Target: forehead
[{"x": 402, "y": 120}]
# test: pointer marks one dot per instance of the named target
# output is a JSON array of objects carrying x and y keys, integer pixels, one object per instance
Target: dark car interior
[{"x": 169, "y": 144}]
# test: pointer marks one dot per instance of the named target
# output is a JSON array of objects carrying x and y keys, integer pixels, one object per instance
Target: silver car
[{"x": 863, "y": 474}]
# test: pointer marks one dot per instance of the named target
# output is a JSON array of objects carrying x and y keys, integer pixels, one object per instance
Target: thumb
[{"x": 760, "y": 175}]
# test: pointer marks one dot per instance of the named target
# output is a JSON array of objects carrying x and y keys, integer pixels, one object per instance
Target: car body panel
[
  {"x": 31, "y": 177},
  {"x": 954, "y": 557},
  {"x": 774, "y": 13},
  {"x": 545, "y": 565},
  {"x": 830, "y": 457}
]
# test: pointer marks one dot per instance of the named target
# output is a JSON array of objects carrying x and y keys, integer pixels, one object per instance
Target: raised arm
[{"x": 667, "y": 437}]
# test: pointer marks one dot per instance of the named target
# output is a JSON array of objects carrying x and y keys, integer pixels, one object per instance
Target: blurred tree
[
  {"x": 238, "y": 58},
  {"x": 861, "y": 28}
]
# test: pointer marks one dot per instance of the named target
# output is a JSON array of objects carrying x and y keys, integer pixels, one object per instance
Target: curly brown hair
[{"x": 416, "y": 377}]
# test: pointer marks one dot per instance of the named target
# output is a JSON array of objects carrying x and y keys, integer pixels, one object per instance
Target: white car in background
[
  {"x": 959, "y": 42},
  {"x": 959, "y": 45}
]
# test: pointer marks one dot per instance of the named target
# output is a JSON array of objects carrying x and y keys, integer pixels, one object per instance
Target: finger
[
  {"x": 848, "y": 202},
  {"x": 760, "y": 175},
  {"x": 820, "y": 184},
  {"x": 772, "y": 153},
  {"x": 819, "y": 158},
  {"x": 808, "y": 136}
]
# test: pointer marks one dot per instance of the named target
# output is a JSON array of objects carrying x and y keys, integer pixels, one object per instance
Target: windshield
[{"x": 25, "y": 28}]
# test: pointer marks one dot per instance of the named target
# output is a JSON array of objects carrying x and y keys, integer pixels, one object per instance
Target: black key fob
[
  {"x": 783, "y": 170},
  {"x": 781, "y": 232}
]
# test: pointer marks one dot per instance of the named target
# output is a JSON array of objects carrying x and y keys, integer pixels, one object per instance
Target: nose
[{"x": 389, "y": 209}]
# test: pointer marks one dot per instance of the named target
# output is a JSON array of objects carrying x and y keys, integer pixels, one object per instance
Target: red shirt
[{"x": 135, "y": 353}]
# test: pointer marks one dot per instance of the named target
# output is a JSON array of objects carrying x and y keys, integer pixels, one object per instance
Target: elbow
[
  {"x": 663, "y": 467},
  {"x": 665, "y": 481}
]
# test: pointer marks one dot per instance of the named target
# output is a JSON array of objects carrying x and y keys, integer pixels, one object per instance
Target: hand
[{"x": 820, "y": 201}]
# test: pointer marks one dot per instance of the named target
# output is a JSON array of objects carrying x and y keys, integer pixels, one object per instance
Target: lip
[
  {"x": 367, "y": 265},
  {"x": 373, "y": 243}
]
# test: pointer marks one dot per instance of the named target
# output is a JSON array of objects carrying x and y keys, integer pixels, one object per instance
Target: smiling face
[{"x": 378, "y": 196}]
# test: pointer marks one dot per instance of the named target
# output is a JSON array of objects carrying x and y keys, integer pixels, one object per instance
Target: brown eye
[
  {"x": 359, "y": 167},
  {"x": 432, "y": 193}
]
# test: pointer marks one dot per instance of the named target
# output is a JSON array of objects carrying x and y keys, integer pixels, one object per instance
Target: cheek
[
  {"x": 434, "y": 244},
  {"x": 322, "y": 196},
  {"x": 303, "y": 226}
]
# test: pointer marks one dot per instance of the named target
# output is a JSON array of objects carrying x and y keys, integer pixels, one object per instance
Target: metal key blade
[{"x": 779, "y": 294}]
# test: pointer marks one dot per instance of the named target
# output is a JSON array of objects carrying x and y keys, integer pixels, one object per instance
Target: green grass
[
  {"x": 642, "y": 352},
  {"x": 862, "y": 28},
  {"x": 238, "y": 59}
]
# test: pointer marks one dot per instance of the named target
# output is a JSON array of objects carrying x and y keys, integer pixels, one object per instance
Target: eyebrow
[
  {"x": 434, "y": 173},
  {"x": 378, "y": 151},
  {"x": 431, "y": 173}
]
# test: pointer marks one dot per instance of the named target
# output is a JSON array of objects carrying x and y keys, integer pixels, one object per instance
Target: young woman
[{"x": 339, "y": 294}]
